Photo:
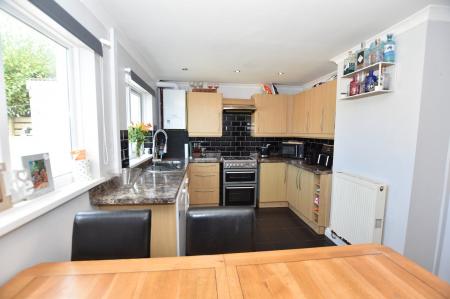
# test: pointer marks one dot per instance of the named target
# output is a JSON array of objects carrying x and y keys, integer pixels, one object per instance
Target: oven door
[
  {"x": 240, "y": 195},
  {"x": 240, "y": 176}
]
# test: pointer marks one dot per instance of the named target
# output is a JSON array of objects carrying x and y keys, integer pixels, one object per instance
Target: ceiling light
[
  {"x": 184, "y": 69},
  {"x": 280, "y": 73},
  {"x": 237, "y": 71}
]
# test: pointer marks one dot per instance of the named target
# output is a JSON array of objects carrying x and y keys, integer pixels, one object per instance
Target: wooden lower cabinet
[
  {"x": 306, "y": 186},
  {"x": 292, "y": 191},
  {"x": 272, "y": 185},
  {"x": 204, "y": 184},
  {"x": 163, "y": 239},
  {"x": 302, "y": 188}
]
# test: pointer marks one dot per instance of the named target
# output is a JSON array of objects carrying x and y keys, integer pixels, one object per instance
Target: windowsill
[
  {"x": 138, "y": 161},
  {"x": 26, "y": 211}
]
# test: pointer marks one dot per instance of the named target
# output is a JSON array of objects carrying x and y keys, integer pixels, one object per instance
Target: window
[
  {"x": 139, "y": 106},
  {"x": 44, "y": 99},
  {"x": 37, "y": 97},
  {"x": 135, "y": 107}
]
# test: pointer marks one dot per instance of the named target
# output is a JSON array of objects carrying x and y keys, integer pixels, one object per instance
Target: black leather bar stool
[
  {"x": 101, "y": 235},
  {"x": 215, "y": 230}
]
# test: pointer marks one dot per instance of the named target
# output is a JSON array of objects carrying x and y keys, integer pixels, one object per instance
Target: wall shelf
[
  {"x": 366, "y": 94},
  {"x": 375, "y": 66}
]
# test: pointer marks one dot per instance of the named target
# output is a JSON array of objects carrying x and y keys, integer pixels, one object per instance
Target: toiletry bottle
[
  {"x": 353, "y": 86},
  {"x": 389, "y": 49},
  {"x": 360, "y": 57},
  {"x": 371, "y": 82}
]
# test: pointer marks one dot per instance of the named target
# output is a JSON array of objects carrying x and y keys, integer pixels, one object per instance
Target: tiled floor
[{"x": 280, "y": 228}]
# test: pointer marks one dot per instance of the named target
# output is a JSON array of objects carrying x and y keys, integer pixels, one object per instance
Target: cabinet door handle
[
  {"x": 204, "y": 191},
  {"x": 204, "y": 175},
  {"x": 307, "y": 123},
  {"x": 300, "y": 181},
  {"x": 296, "y": 179},
  {"x": 321, "y": 122}
]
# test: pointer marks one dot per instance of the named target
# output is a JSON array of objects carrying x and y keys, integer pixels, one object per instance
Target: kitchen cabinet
[
  {"x": 329, "y": 114},
  {"x": 309, "y": 196},
  {"x": 312, "y": 112},
  {"x": 204, "y": 184},
  {"x": 272, "y": 184},
  {"x": 174, "y": 109},
  {"x": 292, "y": 190},
  {"x": 270, "y": 117},
  {"x": 168, "y": 231},
  {"x": 298, "y": 114},
  {"x": 204, "y": 114},
  {"x": 306, "y": 187}
]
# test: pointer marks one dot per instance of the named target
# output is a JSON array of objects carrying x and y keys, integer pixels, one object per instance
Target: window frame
[{"x": 39, "y": 22}]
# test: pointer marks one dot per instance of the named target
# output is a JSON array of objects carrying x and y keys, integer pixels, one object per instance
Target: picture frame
[
  {"x": 40, "y": 172},
  {"x": 5, "y": 199}
]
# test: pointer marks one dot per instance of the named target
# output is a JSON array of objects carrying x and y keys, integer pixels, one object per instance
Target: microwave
[{"x": 293, "y": 149}]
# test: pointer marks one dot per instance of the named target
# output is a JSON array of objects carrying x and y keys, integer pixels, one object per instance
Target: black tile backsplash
[
  {"x": 236, "y": 138},
  {"x": 125, "y": 150}
]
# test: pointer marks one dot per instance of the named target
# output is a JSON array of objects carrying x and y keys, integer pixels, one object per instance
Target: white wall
[
  {"x": 402, "y": 139},
  {"x": 431, "y": 169},
  {"x": 45, "y": 239},
  {"x": 376, "y": 137}
]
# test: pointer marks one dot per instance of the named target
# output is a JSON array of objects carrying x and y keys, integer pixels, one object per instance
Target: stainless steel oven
[{"x": 240, "y": 181}]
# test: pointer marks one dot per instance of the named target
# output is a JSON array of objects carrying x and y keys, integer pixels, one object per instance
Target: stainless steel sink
[{"x": 165, "y": 166}]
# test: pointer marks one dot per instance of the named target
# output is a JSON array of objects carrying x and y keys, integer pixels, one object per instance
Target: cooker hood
[{"x": 238, "y": 105}]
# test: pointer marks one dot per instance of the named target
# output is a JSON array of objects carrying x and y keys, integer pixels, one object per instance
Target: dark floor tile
[{"x": 280, "y": 228}]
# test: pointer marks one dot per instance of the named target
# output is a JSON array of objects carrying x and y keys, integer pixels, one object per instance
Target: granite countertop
[
  {"x": 317, "y": 169},
  {"x": 149, "y": 189}
]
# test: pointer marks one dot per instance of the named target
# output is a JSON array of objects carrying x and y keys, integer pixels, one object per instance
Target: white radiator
[{"x": 357, "y": 209}]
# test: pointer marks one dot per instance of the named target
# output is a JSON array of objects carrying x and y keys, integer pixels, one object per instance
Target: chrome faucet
[{"x": 164, "y": 151}]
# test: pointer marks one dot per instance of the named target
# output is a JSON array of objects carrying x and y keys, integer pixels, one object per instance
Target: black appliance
[
  {"x": 293, "y": 149},
  {"x": 265, "y": 150},
  {"x": 325, "y": 157},
  {"x": 240, "y": 181}
]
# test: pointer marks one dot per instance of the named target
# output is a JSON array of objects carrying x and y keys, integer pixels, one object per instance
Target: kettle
[{"x": 265, "y": 150}]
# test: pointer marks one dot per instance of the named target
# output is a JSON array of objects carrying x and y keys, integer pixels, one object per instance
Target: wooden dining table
[{"x": 356, "y": 271}]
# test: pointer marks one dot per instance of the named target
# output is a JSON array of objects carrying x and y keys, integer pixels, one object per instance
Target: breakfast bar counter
[{"x": 357, "y": 271}]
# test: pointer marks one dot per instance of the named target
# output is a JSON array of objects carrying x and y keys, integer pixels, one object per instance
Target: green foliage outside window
[{"x": 23, "y": 60}]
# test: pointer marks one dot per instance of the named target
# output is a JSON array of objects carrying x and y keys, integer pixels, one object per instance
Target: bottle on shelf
[
  {"x": 372, "y": 53},
  {"x": 370, "y": 82},
  {"x": 380, "y": 50},
  {"x": 383, "y": 80},
  {"x": 389, "y": 49},
  {"x": 350, "y": 63},
  {"x": 360, "y": 56},
  {"x": 354, "y": 86},
  {"x": 362, "y": 83}
]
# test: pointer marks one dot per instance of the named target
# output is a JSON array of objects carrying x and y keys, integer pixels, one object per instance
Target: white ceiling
[{"x": 261, "y": 38}]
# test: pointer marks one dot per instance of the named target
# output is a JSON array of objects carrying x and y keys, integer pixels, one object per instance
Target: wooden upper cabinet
[
  {"x": 270, "y": 117},
  {"x": 315, "y": 112},
  {"x": 204, "y": 114},
  {"x": 329, "y": 115},
  {"x": 311, "y": 113},
  {"x": 298, "y": 114}
]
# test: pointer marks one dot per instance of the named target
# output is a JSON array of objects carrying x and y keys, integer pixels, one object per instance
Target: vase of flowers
[{"x": 136, "y": 135}]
